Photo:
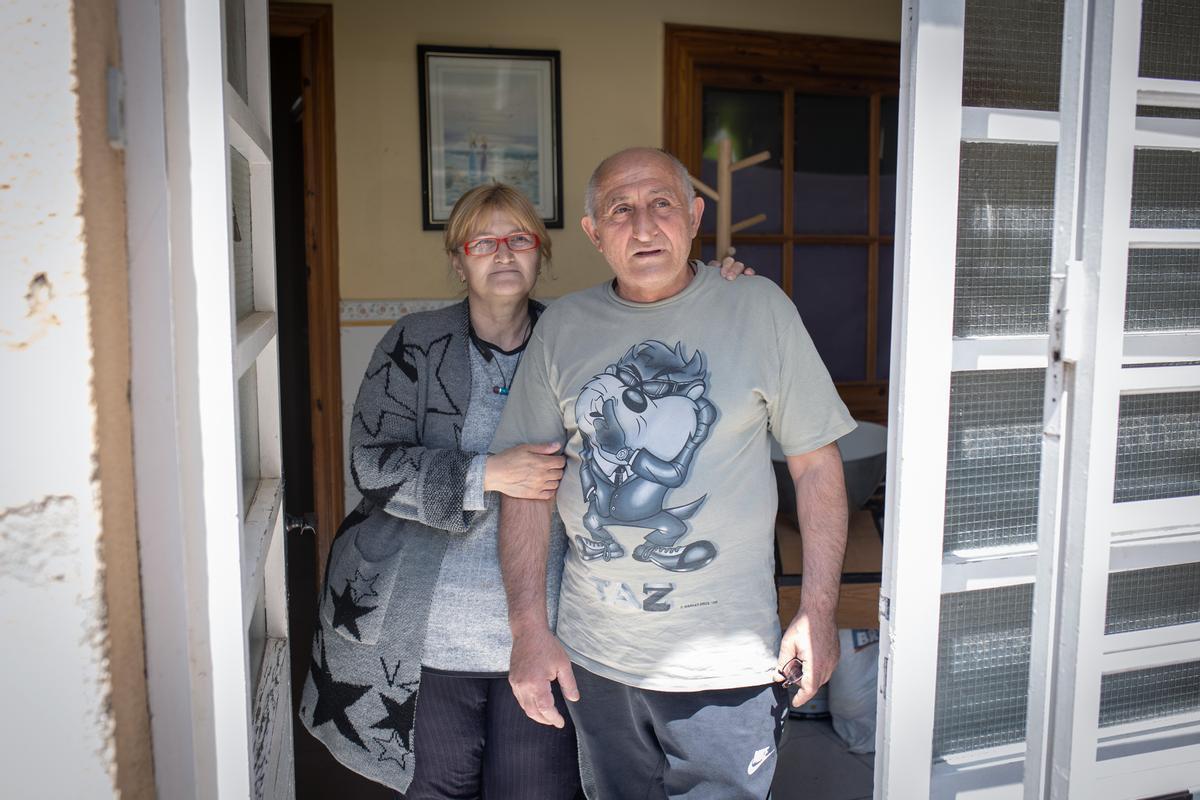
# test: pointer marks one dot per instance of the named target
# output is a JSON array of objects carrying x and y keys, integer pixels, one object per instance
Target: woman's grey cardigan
[{"x": 360, "y": 697}]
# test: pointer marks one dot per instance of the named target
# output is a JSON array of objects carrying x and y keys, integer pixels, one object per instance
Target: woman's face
[{"x": 502, "y": 273}]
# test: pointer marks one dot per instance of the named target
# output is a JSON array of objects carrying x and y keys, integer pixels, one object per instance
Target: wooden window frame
[{"x": 696, "y": 57}]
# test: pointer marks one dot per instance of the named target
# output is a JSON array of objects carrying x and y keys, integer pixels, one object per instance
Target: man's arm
[
  {"x": 537, "y": 657},
  {"x": 822, "y": 511}
]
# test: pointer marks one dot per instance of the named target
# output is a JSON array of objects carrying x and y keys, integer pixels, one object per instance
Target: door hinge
[
  {"x": 116, "y": 108},
  {"x": 302, "y": 524}
]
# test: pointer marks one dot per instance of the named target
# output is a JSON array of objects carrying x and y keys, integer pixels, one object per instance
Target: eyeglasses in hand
[{"x": 517, "y": 242}]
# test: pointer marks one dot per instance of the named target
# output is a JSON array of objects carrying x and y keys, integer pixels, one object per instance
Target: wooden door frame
[
  {"x": 764, "y": 59},
  {"x": 313, "y": 26}
]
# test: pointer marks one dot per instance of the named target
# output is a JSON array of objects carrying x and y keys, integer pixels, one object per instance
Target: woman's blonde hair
[{"x": 473, "y": 210}]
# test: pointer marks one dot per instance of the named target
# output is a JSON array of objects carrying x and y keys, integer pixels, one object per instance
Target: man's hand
[
  {"x": 730, "y": 267},
  {"x": 529, "y": 471},
  {"x": 537, "y": 660},
  {"x": 812, "y": 638}
]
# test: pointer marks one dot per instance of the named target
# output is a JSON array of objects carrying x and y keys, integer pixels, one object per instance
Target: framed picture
[{"x": 489, "y": 115}]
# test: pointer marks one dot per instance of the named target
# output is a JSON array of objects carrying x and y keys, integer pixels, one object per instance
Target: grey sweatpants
[{"x": 640, "y": 744}]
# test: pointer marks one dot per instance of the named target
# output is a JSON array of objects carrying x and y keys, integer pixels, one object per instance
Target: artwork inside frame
[{"x": 489, "y": 115}]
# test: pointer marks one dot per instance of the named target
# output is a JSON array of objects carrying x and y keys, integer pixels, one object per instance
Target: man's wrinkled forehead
[{"x": 644, "y": 174}]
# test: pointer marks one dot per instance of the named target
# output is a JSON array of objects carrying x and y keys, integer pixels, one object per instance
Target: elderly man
[{"x": 663, "y": 384}]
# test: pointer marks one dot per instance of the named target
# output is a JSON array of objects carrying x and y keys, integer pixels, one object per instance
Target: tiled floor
[{"x": 815, "y": 765}]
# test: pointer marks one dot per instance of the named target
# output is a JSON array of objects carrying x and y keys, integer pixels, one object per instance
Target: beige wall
[{"x": 612, "y": 79}]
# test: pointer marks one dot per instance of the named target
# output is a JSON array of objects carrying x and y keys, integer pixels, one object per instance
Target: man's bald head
[{"x": 634, "y": 155}]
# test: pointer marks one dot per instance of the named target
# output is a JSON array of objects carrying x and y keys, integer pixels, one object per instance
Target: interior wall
[{"x": 612, "y": 78}]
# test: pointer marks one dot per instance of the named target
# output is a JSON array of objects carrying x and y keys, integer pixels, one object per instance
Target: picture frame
[{"x": 489, "y": 114}]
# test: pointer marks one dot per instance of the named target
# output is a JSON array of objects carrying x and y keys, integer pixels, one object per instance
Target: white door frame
[{"x": 203, "y": 561}]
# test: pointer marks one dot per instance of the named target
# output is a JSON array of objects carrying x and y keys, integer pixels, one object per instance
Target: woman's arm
[{"x": 388, "y": 462}]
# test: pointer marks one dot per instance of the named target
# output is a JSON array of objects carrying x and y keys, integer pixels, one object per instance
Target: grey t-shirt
[{"x": 669, "y": 496}]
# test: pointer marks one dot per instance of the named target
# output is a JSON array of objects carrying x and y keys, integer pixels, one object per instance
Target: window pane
[
  {"x": 1163, "y": 290},
  {"x": 883, "y": 349},
  {"x": 766, "y": 259},
  {"x": 248, "y": 434},
  {"x": 1166, "y": 189},
  {"x": 752, "y": 121},
  {"x": 1005, "y": 220},
  {"x": 829, "y": 286},
  {"x": 1158, "y": 446},
  {"x": 1170, "y": 40},
  {"x": 1149, "y": 693},
  {"x": 235, "y": 47},
  {"x": 993, "y": 458},
  {"x": 1141, "y": 599},
  {"x": 1012, "y": 53},
  {"x": 889, "y": 111},
  {"x": 831, "y": 161},
  {"x": 242, "y": 232},
  {"x": 983, "y": 669}
]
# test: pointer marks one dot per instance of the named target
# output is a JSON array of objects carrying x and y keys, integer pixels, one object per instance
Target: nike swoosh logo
[{"x": 760, "y": 758}]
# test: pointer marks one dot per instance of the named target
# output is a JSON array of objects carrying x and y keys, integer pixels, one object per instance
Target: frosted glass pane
[
  {"x": 983, "y": 669},
  {"x": 1163, "y": 290},
  {"x": 1158, "y": 446},
  {"x": 1170, "y": 40},
  {"x": 235, "y": 46},
  {"x": 1149, "y": 693},
  {"x": 1005, "y": 216},
  {"x": 993, "y": 458},
  {"x": 1012, "y": 53},
  {"x": 1140, "y": 599},
  {"x": 248, "y": 433},
  {"x": 1166, "y": 189},
  {"x": 752, "y": 121},
  {"x": 242, "y": 233}
]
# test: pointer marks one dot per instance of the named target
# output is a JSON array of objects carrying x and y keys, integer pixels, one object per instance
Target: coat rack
[{"x": 723, "y": 195}]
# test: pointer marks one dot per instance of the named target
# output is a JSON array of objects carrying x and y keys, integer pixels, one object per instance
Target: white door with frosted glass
[{"x": 1041, "y": 602}]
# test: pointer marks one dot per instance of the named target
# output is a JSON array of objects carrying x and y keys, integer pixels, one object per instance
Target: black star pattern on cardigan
[
  {"x": 399, "y": 356},
  {"x": 391, "y": 750},
  {"x": 346, "y": 612},
  {"x": 436, "y": 356},
  {"x": 362, "y": 587},
  {"x": 333, "y": 698},
  {"x": 399, "y": 716}
]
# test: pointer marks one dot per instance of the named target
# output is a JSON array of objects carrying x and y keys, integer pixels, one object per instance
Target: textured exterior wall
[{"x": 76, "y": 723}]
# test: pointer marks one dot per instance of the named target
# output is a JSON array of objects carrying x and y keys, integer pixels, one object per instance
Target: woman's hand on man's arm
[{"x": 528, "y": 471}]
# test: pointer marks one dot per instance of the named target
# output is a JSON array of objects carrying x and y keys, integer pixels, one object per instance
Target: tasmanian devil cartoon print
[{"x": 642, "y": 422}]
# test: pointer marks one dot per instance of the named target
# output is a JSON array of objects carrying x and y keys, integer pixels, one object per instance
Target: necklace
[{"x": 488, "y": 351}]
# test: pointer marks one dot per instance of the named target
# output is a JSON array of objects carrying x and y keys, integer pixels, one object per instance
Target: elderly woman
[{"x": 408, "y": 682}]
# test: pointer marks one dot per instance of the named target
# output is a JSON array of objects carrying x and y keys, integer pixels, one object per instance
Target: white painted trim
[
  {"x": 1147, "y": 774},
  {"x": 273, "y": 758},
  {"x": 254, "y": 332},
  {"x": 1009, "y": 125},
  {"x": 1172, "y": 644},
  {"x": 1150, "y": 347},
  {"x": 1000, "y": 352},
  {"x": 1150, "y": 515},
  {"x": 181, "y": 736},
  {"x": 1163, "y": 237},
  {"x": 931, "y": 55},
  {"x": 1156, "y": 549},
  {"x": 1167, "y": 132},
  {"x": 245, "y": 133},
  {"x": 1157, "y": 380},
  {"x": 1148, "y": 730},
  {"x": 993, "y": 774},
  {"x": 257, "y": 537},
  {"x": 980, "y": 571},
  {"x": 1163, "y": 92}
]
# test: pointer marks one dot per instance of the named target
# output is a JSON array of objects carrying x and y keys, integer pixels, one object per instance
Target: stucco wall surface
[
  {"x": 65, "y": 471},
  {"x": 612, "y": 77}
]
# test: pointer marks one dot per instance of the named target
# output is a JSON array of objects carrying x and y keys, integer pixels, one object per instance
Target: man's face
[{"x": 644, "y": 226}]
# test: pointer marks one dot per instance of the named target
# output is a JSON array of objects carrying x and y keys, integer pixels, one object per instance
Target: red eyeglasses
[{"x": 517, "y": 242}]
